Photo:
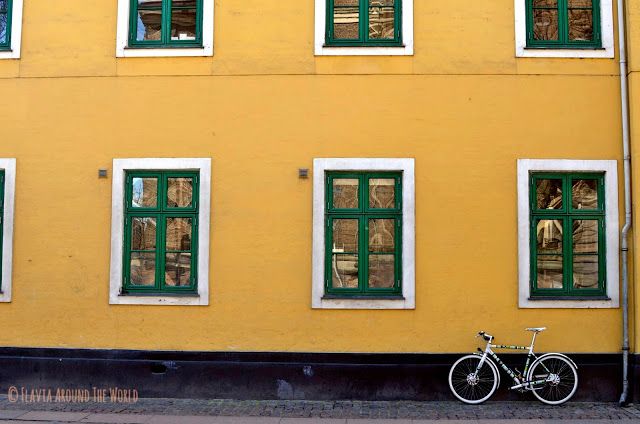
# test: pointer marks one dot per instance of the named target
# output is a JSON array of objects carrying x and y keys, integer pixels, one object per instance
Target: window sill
[
  {"x": 165, "y": 51},
  {"x": 174, "y": 299},
  {"x": 565, "y": 52},
  {"x": 333, "y": 50}
]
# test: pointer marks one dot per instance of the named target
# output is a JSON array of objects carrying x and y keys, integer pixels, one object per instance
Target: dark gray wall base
[{"x": 260, "y": 375}]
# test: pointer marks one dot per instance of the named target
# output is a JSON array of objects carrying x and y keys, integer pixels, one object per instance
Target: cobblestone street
[{"x": 216, "y": 411}]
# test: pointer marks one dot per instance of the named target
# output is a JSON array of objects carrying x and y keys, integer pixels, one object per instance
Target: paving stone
[
  {"x": 117, "y": 418},
  {"x": 53, "y": 416},
  {"x": 11, "y": 414}
]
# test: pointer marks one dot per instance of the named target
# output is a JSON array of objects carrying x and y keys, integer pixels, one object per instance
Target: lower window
[
  {"x": 160, "y": 215},
  {"x": 568, "y": 233},
  {"x": 363, "y": 234},
  {"x": 160, "y": 231}
]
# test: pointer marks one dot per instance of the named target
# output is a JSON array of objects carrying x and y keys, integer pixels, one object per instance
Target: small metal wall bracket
[
  {"x": 102, "y": 173},
  {"x": 303, "y": 172}
]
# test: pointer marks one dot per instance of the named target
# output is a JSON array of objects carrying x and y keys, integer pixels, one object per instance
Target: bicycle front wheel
[
  {"x": 556, "y": 377},
  {"x": 470, "y": 384}
]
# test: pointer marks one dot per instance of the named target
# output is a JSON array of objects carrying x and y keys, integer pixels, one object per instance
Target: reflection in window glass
[{"x": 145, "y": 192}]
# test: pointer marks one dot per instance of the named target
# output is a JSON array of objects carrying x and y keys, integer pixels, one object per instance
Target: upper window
[
  {"x": 567, "y": 233},
  {"x": 363, "y": 234},
  {"x": 165, "y": 23},
  {"x": 10, "y": 28},
  {"x": 160, "y": 231},
  {"x": 364, "y": 229},
  {"x": 364, "y": 27},
  {"x": 563, "y": 23},
  {"x": 165, "y": 28},
  {"x": 364, "y": 23},
  {"x": 7, "y": 195},
  {"x": 564, "y": 28}
]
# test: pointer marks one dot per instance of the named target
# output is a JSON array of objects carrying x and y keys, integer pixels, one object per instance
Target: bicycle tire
[
  {"x": 563, "y": 376},
  {"x": 469, "y": 388}
]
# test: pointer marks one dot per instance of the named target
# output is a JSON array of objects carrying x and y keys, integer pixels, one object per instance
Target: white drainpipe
[{"x": 624, "y": 97}]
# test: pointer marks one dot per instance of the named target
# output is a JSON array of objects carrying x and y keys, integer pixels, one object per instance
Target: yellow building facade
[{"x": 459, "y": 109}]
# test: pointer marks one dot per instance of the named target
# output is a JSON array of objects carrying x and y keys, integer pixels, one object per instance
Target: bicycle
[{"x": 552, "y": 377}]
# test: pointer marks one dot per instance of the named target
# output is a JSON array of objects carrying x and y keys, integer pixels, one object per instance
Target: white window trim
[
  {"x": 9, "y": 167},
  {"x": 320, "y": 167},
  {"x": 407, "y": 36},
  {"x": 122, "y": 38},
  {"x": 610, "y": 169},
  {"x": 606, "y": 31},
  {"x": 120, "y": 166},
  {"x": 16, "y": 32}
]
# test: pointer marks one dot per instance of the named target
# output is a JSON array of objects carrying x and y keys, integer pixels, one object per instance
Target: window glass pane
[
  {"x": 143, "y": 233},
  {"x": 143, "y": 268},
  {"x": 381, "y": 271},
  {"x": 346, "y": 19},
  {"x": 3, "y": 5},
  {"x": 381, "y": 19},
  {"x": 549, "y": 194},
  {"x": 344, "y": 271},
  {"x": 585, "y": 272},
  {"x": 178, "y": 234},
  {"x": 382, "y": 236},
  {"x": 545, "y": 3},
  {"x": 345, "y": 235},
  {"x": 183, "y": 24},
  {"x": 545, "y": 24},
  {"x": 584, "y": 194},
  {"x": 177, "y": 269},
  {"x": 549, "y": 272},
  {"x": 345, "y": 193},
  {"x": 145, "y": 192},
  {"x": 179, "y": 192},
  {"x": 149, "y": 25},
  {"x": 382, "y": 193},
  {"x": 580, "y": 3},
  {"x": 580, "y": 25},
  {"x": 585, "y": 236},
  {"x": 3, "y": 28},
  {"x": 549, "y": 236}
]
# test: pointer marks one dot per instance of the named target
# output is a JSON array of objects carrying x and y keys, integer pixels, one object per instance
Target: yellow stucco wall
[{"x": 463, "y": 106}]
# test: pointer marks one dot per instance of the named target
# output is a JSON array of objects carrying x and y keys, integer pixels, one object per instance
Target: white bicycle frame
[{"x": 520, "y": 380}]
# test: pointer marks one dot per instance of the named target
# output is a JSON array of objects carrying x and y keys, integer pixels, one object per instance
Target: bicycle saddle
[{"x": 536, "y": 329}]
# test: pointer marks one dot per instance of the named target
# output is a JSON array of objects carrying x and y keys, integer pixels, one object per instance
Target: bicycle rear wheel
[
  {"x": 472, "y": 385},
  {"x": 560, "y": 379}
]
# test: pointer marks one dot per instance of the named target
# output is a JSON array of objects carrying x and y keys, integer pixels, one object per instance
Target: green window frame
[
  {"x": 162, "y": 218},
  {"x": 561, "y": 265},
  {"x": 365, "y": 9},
  {"x": 6, "y": 6},
  {"x": 365, "y": 216},
  {"x": 561, "y": 10},
  {"x": 166, "y": 8}
]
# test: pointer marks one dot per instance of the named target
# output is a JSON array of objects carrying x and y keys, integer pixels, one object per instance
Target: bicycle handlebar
[{"x": 487, "y": 337}]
